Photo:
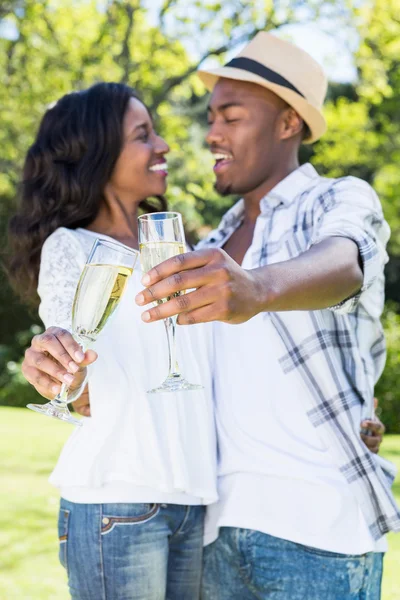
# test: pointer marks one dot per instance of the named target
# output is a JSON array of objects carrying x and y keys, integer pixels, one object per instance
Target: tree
[
  {"x": 156, "y": 47},
  {"x": 363, "y": 137}
]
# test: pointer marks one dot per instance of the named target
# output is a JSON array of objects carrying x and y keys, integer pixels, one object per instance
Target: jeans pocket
[
  {"x": 132, "y": 514},
  {"x": 327, "y": 553},
  {"x": 63, "y": 519}
]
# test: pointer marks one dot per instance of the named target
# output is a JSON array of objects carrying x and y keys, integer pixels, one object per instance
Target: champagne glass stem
[
  {"x": 60, "y": 400},
  {"x": 170, "y": 328}
]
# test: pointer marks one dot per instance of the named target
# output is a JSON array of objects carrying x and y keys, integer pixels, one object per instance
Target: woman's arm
[{"x": 54, "y": 357}]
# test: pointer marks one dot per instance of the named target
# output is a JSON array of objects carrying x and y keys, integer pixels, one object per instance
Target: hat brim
[{"x": 311, "y": 115}]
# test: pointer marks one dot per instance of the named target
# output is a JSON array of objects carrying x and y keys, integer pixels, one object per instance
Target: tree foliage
[{"x": 50, "y": 47}]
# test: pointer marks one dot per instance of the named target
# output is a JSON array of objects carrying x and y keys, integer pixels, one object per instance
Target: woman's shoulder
[
  {"x": 64, "y": 246},
  {"x": 69, "y": 241},
  {"x": 61, "y": 236}
]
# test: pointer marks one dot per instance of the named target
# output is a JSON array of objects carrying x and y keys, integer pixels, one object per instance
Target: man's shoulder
[
  {"x": 348, "y": 182},
  {"x": 329, "y": 191}
]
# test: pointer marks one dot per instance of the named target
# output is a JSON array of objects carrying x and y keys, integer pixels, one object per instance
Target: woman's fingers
[
  {"x": 372, "y": 431},
  {"x": 43, "y": 383},
  {"x": 372, "y": 442},
  {"x": 90, "y": 357},
  {"x": 375, "y": 427},
  {"x": 60, "y": 344},
  {"x": 82, "y": 404},
  {"x": 40, "y": 364}
]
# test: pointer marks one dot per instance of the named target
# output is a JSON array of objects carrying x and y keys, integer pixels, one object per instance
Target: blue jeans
[
  {"x": 131, "y": 551},
  {"x": 248, "y": 565}
]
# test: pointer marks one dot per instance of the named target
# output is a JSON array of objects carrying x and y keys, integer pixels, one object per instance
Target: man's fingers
[
  {"x": 181, "y": 304},
  {"x": 60, "y": 344},
  {"x": 180, "y": 262},
  {"x": 205, "y": 314},
  {"x": 185, "y": 280}
]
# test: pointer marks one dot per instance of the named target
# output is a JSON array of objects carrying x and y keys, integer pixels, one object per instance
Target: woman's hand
[
  {"x": 53, "y": 357},
  {"x": 372, "y": 431},
  {"x": 82, "y": 405},
  {"x": 373, "y": 438}
]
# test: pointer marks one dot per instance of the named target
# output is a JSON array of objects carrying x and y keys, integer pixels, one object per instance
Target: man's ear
[{"x": 292, "y": 124}]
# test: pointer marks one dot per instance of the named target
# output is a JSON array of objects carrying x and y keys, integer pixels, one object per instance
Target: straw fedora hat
[{"x": 284, "y": 69}]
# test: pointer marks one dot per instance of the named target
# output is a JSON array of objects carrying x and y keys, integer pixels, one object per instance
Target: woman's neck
[{"x": 117, "y": 221}]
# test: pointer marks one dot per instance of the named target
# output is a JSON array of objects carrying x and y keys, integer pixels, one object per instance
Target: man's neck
[{"x": 252, "y": 199}]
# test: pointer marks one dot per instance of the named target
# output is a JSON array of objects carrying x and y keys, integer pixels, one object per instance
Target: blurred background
[{"x": 48, "y": 48}]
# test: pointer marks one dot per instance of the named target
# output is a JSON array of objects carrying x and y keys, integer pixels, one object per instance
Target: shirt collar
[
  {"x": 233, "y": 217},
  {"x": 283, "y": 193},
  {"x": 290, "y": 187}
]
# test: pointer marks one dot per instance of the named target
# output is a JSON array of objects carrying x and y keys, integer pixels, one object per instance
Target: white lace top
[{"x": 136, "y": 447}]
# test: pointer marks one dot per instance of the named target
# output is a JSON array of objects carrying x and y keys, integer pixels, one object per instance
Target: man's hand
[
  {"x": 55, "y": 357},
  {"x": 223, "y": 291},
  {"x": 321, "y": 277}
]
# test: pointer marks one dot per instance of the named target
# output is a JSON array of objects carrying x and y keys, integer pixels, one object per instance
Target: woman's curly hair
[{"x": 65, "y": 173}]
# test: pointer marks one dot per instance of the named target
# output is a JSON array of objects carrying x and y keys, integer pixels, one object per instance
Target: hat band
[{"x": 248, "y": 64}]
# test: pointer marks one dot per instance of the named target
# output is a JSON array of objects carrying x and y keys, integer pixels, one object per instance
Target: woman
[{"x": 135, "y": 478}]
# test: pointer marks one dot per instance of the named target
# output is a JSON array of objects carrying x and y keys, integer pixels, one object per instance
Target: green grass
[
  {"x": 391, "y": 582},
  {"x": 29, "y": 568}
]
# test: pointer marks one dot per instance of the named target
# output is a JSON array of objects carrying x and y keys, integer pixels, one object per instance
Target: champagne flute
[
  {"x": 98, "y": 293},
  {"x": 161, "y": 236}
]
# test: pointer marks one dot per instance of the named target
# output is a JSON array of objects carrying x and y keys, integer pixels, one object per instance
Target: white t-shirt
[
  {"x": 275, "y": 474},
  {"x": 136, "y": 447}
]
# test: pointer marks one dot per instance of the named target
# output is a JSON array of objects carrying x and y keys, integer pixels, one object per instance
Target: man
[
  {"x": 303, "y": 504},
  {"x": 297, "y": 264}
]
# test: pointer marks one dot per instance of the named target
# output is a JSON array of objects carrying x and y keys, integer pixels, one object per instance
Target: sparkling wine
[
  {"x": 99, "y": 291},
  {"x": 154, "y": 253}
]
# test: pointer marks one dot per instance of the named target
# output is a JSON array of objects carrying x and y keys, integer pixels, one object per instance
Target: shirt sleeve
[
  {"x": 351, "y": 209},
  {"x": 61, "y": 263}
]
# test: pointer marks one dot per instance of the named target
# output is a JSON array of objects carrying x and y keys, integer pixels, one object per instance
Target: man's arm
[{"x": 323, "y": 276}]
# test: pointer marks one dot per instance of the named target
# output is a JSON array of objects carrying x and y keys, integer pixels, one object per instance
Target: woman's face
[{"x": 141, "y": 168}]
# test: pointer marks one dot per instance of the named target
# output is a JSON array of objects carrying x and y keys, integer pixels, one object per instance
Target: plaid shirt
[{"x": 339, "y": 353}]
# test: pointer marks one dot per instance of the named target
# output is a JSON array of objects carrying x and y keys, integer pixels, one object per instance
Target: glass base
[
  {"x": 175, "y": 384},
  {"x": 49, "y": 410}
]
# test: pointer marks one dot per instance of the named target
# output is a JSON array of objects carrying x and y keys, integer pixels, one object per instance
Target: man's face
[{"x": 243, "y": 135}]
